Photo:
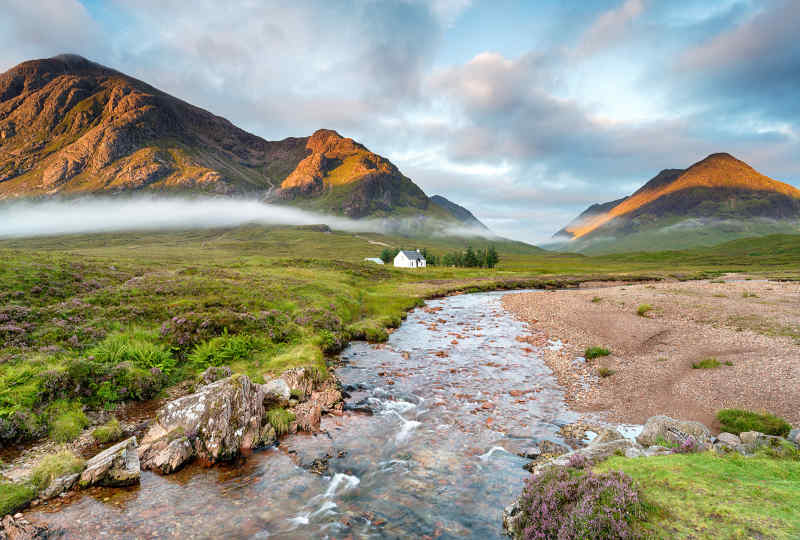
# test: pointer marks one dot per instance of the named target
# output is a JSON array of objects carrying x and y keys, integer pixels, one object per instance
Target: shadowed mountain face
[
  {"x": 717, "y": 190},
  {"x": 461, "y": 213},
  {"x": 71, "y": 126}
]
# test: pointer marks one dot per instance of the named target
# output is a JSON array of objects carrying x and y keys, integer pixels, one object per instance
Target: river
[{"x": 454, "y": 396}]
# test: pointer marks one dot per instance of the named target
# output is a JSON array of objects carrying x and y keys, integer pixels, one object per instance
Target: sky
[{"x": 523, "y": 112}]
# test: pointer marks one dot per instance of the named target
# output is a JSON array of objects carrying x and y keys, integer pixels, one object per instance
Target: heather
[
  {"x": 94, "y": 321},
  {"x": 575, "y": 503}
]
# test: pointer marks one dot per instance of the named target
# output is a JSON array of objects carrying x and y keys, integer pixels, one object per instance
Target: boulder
[
  {"x": 672, "y": 430},
  {"x": 300, "y": 380},
  {"x": 729, "y": 439},
  {"x": 754, "y": 440},
  {"x": 308, "y": 416},
  {"x": 18, "y": 528},
  {"x": 512, "y": 520},
  {"x": 794, "y": 437},
  {"x": 216, "y": 423},
  {"x": 113, "y": 467},
  {"x": 276, "y": 393},
  {"x": 532, "y": 452},
  {"x": 59, "y": 485},
  {"x": 605, "y": 435}
]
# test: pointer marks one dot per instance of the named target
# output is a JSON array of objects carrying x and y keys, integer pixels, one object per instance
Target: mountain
[
  {"x": 717, "y": 199},
  {"x": 461, "y": 213},
  {"x": 72, "y": 126}
]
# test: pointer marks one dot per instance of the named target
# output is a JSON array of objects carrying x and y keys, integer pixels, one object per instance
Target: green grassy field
[
  {"x": 709, "y": 496},
  {"x": 95, "y": 320}
]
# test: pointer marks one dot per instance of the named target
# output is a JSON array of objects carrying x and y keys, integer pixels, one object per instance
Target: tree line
[{"x": 468, "y": 258}]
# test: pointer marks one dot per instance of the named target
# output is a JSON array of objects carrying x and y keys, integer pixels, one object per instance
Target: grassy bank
[
  {"x": 91, "y": 321},
  {"x": 709, "y": 496}
]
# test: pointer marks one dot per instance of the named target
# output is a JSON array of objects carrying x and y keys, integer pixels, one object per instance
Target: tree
[
  {"x": 492, "y": 258},
  {"x": 388, "y": 255},
  {"x": 470, "y": 259}
]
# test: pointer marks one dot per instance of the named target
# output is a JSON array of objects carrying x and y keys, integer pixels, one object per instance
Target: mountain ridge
[{"x": 72, "y": 126}]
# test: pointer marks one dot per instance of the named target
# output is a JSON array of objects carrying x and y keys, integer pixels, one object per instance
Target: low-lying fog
[{"x": 102, "y": 214}]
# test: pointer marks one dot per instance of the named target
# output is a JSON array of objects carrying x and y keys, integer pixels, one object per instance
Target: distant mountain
[
  {"x": 71, "y": 126},
  {"x": 717, "y": 199},
  {"x": 461, "y": 213}
]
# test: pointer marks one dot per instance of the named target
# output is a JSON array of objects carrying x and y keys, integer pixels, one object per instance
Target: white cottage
[{"x": 409, "y": 259}]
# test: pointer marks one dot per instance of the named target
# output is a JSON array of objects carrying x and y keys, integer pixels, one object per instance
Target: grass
[
  {"x": 55, "y": 465},
  {"x": 708, "y": 496},
  {"x": 111, "y": 431},
  {"x": 643, "y": 309},
  {"x": 706, "y": 363},
  {"x": 15, "y": 496},
  {"x": 89, "y": 321},
  {"x": 605, "y": 372},
  {"x": 280, "y": 419},
  {"x": 748, "y": 294},
  {"x": 737, "y": 421},
  {"x": 67, "y": 421},
  {"x": 596, "y": 299},
  {"x": 595, "y": 352}
]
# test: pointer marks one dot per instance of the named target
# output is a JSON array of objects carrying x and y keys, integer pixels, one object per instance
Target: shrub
[
  {"x": 224, "y": 349},
  {"x": 737, "y": 421},
  {"x": 605, "y": 372},
  {"x": 332, "y": 342},
  {"x": 55, "y": 465},
  {"x": 135, "y": 348},
  {"x": 280, "y": 419},
  {"x": 566, "y": 503},
  {"x": 643, "y": 309},
  {"x": 66, "y": 420},
  {"x": 595, "y": 352},
  {"x": 596, "y": 299},
  {"x": 188, "y": 330},
  {"x": 14, "y": 497},
  {"x": 109, "y": 432},
  {"x": 748, "y": 294},
  {"x": 706, "y": 363}
]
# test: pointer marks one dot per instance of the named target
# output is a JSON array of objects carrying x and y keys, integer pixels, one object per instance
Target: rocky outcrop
[
  {"x": 114, "y": 467},
  {"x": 18, "y": 528},
  {"x": 214, "y": 424},
  {"x": 591, "y": 453},
  {"x": 59, "y": 485},
  {"x": 672, "y": 431}
]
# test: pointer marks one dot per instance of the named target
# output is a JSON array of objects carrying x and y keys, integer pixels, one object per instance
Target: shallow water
[{"x": 454, "y": 395}]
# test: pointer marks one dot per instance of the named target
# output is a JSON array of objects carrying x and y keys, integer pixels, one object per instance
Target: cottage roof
[{"x": 413, "y": 255}]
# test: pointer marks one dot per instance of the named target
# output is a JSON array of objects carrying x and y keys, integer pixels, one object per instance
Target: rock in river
[
  {"x": 214, "y": 424},
  {"x": 113, "y": 467}
]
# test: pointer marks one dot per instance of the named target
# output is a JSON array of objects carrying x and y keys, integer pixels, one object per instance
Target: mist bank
[{"x": 89, "y": 214}]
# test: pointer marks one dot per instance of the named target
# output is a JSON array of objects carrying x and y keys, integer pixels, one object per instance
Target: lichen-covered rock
[
  {"x": 657, "y": 450},
  {"x": 308, "y": 415},
  {"x": 218, "y": 422},
  {"x": 113, "y": 467},
  {"x": 299, "y": 380},
  {"x": 276, "y": 393},
  {"x": 672, "y": 430},
  {"x": 729, "y": 438},
  {"x": 59, "y": 485}
]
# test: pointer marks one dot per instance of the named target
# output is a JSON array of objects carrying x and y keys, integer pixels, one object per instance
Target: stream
[{"x": 453, "y": 394}]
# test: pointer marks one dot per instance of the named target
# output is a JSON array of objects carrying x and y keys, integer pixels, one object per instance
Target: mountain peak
[{"x": 718, "y": 177}]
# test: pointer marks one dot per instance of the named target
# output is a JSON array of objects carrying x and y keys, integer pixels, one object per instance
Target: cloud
[
  {"x": 609, "y": 28},
  {"x": 45, "y": 28}
]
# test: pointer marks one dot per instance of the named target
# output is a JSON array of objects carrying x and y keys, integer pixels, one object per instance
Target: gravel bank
[{"x": 752, "y": 324}]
